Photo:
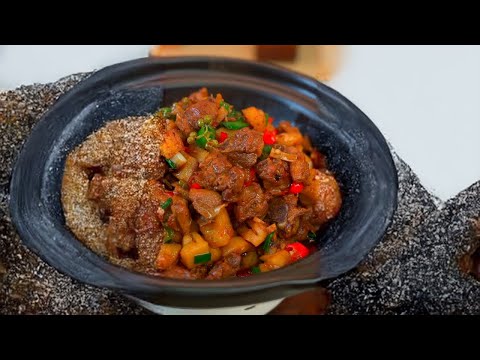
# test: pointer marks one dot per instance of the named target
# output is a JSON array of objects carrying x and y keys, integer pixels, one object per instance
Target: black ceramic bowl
[{"x": 356, "y": 150}]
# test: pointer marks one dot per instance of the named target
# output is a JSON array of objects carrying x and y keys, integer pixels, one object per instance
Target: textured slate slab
[{"x": 414, "y": 269}]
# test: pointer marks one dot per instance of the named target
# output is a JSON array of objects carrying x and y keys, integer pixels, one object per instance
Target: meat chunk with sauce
[
  {"x": 187, "y": 121},
  {"x": 217, "y": 173},
  {"x": 251, "y": 203},
  {"x": 275, "y": 174},
  {"x": 299, "y": 169},
  {"x": 323, "y": 196},
  {"x": 244, "y": 147},
  {"x": 283, "y": 211},
  {"x": 205, "y": 202},
  {"x": 226, "y": 267}
]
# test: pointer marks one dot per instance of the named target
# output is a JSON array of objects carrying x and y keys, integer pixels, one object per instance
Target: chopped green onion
[
  {"x": 225, "y": 105},
  {"x": 167, "y": 203},
  {"x": 312, "y": 236},
  {"x": 183, "y": 184},
  {"x": 266, "y": 118},
  {"x": 268, "y": 241},
  {"x": 165, "y": 111},
  {"x": 169, "y": 234},
  {"x": 171, "y": 164},
  {"x": 207, "y": 119},
  {"x": 178, "y": 159},
  {"x": 237, "y": 115},
  {"x": 256, "y": 270},
  {"x": 235, "y": 125},
  {"x": 266, "y": 152},
  {"x": 202, "y": 258},
  {"x": 204, "y": 135}
]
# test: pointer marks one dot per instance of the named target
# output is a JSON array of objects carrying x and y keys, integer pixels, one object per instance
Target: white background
[{"x": 425, "y": 99}]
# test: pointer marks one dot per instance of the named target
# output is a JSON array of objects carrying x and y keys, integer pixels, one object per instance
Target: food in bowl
[{"x": 199, "y": 190}]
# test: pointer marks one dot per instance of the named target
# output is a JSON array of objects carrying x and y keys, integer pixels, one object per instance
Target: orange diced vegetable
[
  {"x": 167, "y": 256},
  {"x": 279, "y": 259},
  {"x": 256, "y": 118},
  {"x": 237, "y": 245},
  {"x": 249, "y": 260},
  {"x": 198, "y": 246},
  {"x": 219, "y": 231},
  {"x": 188, "y": 169}
]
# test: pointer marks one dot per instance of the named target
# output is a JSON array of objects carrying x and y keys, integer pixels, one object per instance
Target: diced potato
[
  {"x": 258, "y": 231},
  {"x": 197, "y": 246},
  {"x": 198, "y": 153},
  {"x": 237, "y": 245},
  {"x": 216, "y": 254},
  {"x": 172, "y": 144},
  {"x": 266, "y": 267},
  {"x": 218, "y": 99},
  {"x": 249, "y": 260},
  {"x": 256, "y": 118},
  {"x": 188, "y": 169},
  {"x": 290, "y": 139},
  {"x": 279, "y": 259},
  {"x": 187, "y": 239},
  {"x": 219, "y": 231},
  {"x": 167, "y": 256}
]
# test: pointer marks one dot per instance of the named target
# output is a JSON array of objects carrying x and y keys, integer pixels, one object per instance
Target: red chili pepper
[
  {"x": 186, "y": 149},
  {"x": 195, "y": 186},
  {"x": 297, "y": 251},
  {"x": 170, "y": 193},
  {"x": 296, "y": 188},
  {"x": 251, "y": 178},
  {"x": 270, "y": 120},
  {"x": 244, "y": 273},
  {"x": 270, "y": 137},
  {"x": 223, "y": 136}
]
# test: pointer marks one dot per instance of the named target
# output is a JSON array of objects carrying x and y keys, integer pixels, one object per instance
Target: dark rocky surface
[{"x": 414, "y": 269}]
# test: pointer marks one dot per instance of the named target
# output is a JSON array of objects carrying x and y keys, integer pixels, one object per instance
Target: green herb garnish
[
  {"x": 268, "y": 241},
  {"x": 204, "y": 135},
  {"x": 167, "y": 203},
  {"x": 256, "y": 270},
  {"x": 266, "y": 152},
  {"x": 312, "y": 236},
  {"x": 202, "y": 258},
  {"x": 235, "y": 125},
  {"x": 171, "y": 164},
  {"x": 169, "y": 234}
]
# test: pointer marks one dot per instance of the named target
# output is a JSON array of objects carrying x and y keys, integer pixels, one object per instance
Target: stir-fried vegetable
[
  {"x": 269, "y": 137},
  {"x": 297, "y": 250},
  {"x": 171, "y": 164},
  {"x": 268, "y": 241},
  {"x": 166, "y": 204},
  {"x": 169, "y": 234},
  {"x": 312, "y": 236},
  {"x": 202, "y": 258},
  {"x": 296, "y": 188},
  {"x": 235, "y": 125},
  {"x": 205, "y": 135}
]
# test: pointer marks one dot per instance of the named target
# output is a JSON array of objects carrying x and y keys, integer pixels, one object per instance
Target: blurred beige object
[
  {"x": 239, "y": 51},
  {"x": 318, "y": 61}
]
